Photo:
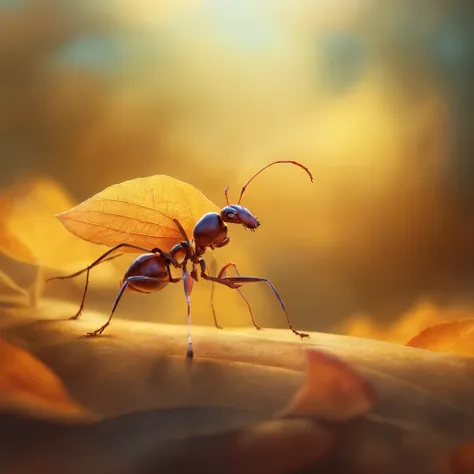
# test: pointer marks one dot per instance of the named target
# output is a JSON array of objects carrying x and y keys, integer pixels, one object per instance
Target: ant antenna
[
  {"x": 244, "y": 187},
  {"x": 226, "y": 195},
  {"x": 180, "y": 227}
]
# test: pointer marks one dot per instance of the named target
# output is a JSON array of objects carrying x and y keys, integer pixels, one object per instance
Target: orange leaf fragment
[
  {"x": 332, "y": 390},
  {"x": 28, "y": 386},
  {"x": 462, "y": 459},
  {"x": 139, "y": 212},
  {"x": 11, "y": 292},
  {"x": 452, "y": 336},
  {"x": 28, "y": 230}
]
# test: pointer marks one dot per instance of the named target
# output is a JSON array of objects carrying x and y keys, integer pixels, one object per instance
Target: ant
[{"x": 151, "y": 272}]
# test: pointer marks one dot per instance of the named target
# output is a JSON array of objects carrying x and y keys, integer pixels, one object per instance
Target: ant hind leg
[
  {"x": 106, "y": 257},
  {"x": 224, "y": 271},
  {"x": 100, "y": 330},
  {"x": 236, "y": 282}
]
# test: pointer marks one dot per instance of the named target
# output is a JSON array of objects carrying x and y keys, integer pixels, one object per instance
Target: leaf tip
[{"x": 61, "y": 215}]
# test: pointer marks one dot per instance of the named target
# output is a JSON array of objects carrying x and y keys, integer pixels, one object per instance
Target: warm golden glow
[
  {"x": 208, "y": 91},
  {"x": 408, "y": 325}
]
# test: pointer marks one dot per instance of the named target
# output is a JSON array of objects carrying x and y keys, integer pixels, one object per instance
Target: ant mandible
[{"x": 151, "y": 272}]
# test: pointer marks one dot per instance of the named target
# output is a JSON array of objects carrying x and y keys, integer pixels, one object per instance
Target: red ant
[{"x": 151, "y": 272}]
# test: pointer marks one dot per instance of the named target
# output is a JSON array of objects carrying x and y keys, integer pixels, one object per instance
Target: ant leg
[
  {"x": 80, "y": 272},
  {"x": 105, "y": 258},
  {"x": 223, "y": 271},
  {"x": 188, "y": 288},
  {"x": 175, "y": 280},
  {"x": 181, "y": 230},
  {"x": 213, "y": 270},
  {"x": 236, "y": 282},
  {"x": 99, "y": 331},
  {"x": 170, "y": 276},
  {"x": 101, "y": 259},
  {"x": 81, "y": 307}
]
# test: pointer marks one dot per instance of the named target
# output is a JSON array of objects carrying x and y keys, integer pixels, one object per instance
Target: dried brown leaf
[
  {"x": 452, "y": 336},
  {"x": 28, "y": 386},
  {"x": 139, "y": 212}
]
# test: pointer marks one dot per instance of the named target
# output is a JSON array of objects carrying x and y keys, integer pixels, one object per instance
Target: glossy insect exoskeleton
[
  {"x": 151, "y": 265},
  {"x": 151, "y": 271},
  {"x": 211, "y": 230}
]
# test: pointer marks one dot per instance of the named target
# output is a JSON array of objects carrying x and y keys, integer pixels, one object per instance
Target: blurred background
[{"x": 375, "y": 97}]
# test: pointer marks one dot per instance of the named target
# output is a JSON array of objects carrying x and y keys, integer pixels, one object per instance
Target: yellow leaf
[
  {"x": 29, "y": 231},
  {"x": 452, "y": 336},
  {"x": 28, "y": 386},
  {"x": 139, "y": 212},
  {"x": 11, "y": 292},
  {"x": 13, "y": 247}
]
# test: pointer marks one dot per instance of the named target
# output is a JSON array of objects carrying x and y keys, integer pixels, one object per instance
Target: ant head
[{"x": 236, "y": 214}]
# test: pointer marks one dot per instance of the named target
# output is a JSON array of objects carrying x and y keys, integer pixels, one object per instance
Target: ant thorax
[
  {"x": 180, "y": 252},
  {"x": 210, "y": 232}
]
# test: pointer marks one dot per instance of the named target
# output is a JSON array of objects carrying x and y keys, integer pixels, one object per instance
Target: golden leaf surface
[
  {"x": 183, "y": 439},
  {"x": 421, "y": 410},
  {"x": 28, "y": 386},
  {"x": 139, "y": 212},
  {"x": 451, "y": 336},
  {"x": 257, "y": 370},
  {"x": 29, "y": 231}
]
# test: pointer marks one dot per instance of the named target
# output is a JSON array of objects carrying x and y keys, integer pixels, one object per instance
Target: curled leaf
[
  {"x": 332, "y": 390},
  {"x": 451, "y": 336},
  {"x": 28, "y": 386},
  {"x": 139, "y": 212}
]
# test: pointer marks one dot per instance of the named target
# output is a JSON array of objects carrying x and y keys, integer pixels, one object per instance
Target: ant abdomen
[{"x": 148, "y": 265}]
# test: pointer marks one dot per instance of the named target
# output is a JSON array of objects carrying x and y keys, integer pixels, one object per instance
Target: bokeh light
[{"x": 374, "y": 97}]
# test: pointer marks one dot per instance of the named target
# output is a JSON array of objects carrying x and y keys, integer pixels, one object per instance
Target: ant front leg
[
  {"x": 213, "y": 271},
  {"x": 188, "y": 281},
  {"x": 223, "y": 271},
  {"x": 236, "y": 282}
]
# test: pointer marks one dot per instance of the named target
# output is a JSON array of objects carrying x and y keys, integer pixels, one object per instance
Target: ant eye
[{"x": 232, "y": 215}]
